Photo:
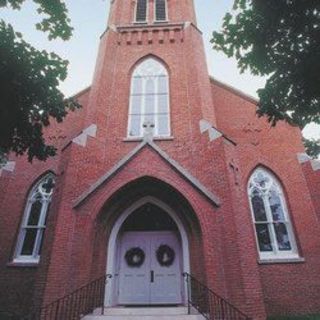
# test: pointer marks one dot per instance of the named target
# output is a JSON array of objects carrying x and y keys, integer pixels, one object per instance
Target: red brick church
[{"x": 166, "y": 186}]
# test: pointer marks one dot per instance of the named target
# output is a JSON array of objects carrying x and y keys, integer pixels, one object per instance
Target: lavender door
[{"x": 150, "y": 268}]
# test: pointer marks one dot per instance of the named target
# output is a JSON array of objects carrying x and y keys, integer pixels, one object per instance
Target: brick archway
[
  {"x": 110, "y": 299},
  {"x": 132, "y": 196}
]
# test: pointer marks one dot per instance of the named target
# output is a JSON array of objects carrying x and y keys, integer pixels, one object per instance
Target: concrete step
[
  {"x": 146, "y": 311},
  {"x": 150, "y": 317},
  {"x": 151, "y": 313}
]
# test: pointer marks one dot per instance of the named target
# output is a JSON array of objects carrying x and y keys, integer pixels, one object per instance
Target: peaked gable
[{"x": 148, "y": 143}]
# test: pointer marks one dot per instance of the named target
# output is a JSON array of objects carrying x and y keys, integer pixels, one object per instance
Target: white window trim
[
  {"x": 155, "y": 12},
  {"x": 136, "y": 11},
  {"x": 276, "y": 254},
  {"x": 35, "y": 257},
  {"x": 155, "y": 133}
]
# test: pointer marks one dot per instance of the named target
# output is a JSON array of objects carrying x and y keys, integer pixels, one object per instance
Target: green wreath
[
  {"x": 135, "y": 257},
  {"x": 165, "y": 255}
]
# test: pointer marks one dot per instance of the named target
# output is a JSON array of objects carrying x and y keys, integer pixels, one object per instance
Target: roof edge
[
  {"x": 79, "y": 93},
  {"x": 234, "y": 90}
]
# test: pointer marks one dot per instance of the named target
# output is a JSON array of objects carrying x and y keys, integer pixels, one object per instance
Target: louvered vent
[
  {"x": 161, "y": 14},
  {"x": 141, "y": 14}
]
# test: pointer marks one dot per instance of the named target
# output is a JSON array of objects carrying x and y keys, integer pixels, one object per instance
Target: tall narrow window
[
  {"x": 149, "y": 99},
  {"x": 160, "y": 10},
  {"x": 141, "y": 11},
  {"x": 29, "y": 243},
  {"x": 274, "y": 234}
]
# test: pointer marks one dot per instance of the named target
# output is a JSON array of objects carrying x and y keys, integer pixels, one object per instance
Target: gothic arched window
[
  {"x": 274, "y": 234},
  {"x": 161, "y": 10},
  {"x": 149, "y": 99},
  {"x": 34, "y": 221},
  {"x": 141, "y": 11}
]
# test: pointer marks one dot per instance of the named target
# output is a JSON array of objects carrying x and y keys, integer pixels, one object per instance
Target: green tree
[
  {"x": 29, "y": 80},
  {"x": 312, "y": 147},
  {"x": 278, "y": 39}
]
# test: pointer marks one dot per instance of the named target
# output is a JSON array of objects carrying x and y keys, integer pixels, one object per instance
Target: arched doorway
[{"x": 148, "y": 251}]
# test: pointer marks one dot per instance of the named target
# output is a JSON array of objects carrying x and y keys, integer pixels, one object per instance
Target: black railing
[
  {"x": 208, "y": 303},
  {"x": 76, "y": 304}
]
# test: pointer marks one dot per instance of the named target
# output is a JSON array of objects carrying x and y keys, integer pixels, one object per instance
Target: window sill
[
  {"x": 137, "y": 139},
  {"x": 140, "y": 22},
  {"x": 281, "y": 261},
  {"x": 160, "y": 21},
  {"x": 23, "y": 264}
]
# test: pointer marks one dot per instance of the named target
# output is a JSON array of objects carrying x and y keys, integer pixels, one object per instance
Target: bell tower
[
  {"x": 148, "y": 12},
  {"x": 166, "y": 32}
]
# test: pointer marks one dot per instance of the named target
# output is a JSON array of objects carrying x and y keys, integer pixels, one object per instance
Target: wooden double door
[{"x": 150, "y": 268}]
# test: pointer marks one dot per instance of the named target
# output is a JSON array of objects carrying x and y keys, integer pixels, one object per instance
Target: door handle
[{"x": 151, "y": 276}]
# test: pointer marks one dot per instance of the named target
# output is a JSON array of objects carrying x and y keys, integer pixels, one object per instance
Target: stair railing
[
  {"x": 75, "y": 305},
  {"x": 208, "y": 303}
]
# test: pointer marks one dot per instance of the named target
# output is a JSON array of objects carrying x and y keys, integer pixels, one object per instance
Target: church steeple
[
  {"x": 135, "y": 12},
  {"x": 166, "y": 31}
]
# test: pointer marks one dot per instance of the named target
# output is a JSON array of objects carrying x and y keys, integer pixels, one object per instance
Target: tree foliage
[
  {"x": 312, "y": 147},
  {"x": 29, "y": 80},
  {"x": 278, "y": 39}
]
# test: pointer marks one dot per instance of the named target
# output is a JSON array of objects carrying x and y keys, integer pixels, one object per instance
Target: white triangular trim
[
  {"x": 9, "y": 166},
  {"x": 315, "y": 164},
  {"x": 214, "y": 133},
  {"x": 195, "y": 182},
  {"x": 303, "y": 157},
  {"x": 82, "y": 138},
  {"x": 204, "y": 125}
]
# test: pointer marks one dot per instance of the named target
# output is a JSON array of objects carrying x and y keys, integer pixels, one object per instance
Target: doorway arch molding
[{"x": 110, "y": 297}]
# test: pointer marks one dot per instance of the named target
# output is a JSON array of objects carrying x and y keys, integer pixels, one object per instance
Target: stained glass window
[
  {"x": 273, "y": 228},
  {"x": 149, "y": 99},
  {"x": 34, "y": 221}
]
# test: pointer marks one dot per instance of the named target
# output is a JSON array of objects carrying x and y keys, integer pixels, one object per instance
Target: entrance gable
[{"x": 131, "y": 155}]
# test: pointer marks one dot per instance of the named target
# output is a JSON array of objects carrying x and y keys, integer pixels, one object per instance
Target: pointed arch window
[
  {"x": 273, "y": 228},
  {"x": 141, "y": 11},
  {"x": 149, "y": 99},
  {"x": 161, "y": 10},
  {"x": 30, "y": 237}
]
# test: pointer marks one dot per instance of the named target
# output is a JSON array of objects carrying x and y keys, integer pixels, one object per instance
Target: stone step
[
  {"x": 150, "y": 313},
  {"x": 146, "y": 311},
  {"x": 149, "y": 317}
]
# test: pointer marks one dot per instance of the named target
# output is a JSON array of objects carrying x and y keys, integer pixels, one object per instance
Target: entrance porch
[{"x": 148, "y": 252}]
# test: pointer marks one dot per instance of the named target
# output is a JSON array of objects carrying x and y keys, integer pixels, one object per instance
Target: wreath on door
[
  {"x": 165, "y": 255},
  {"x": 135, "y": 257}
]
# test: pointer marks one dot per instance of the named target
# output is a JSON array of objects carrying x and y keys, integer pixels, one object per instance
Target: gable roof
[
  {"x": 148, "y": 143},
  {"x": 80, "y": 93},
  {"x": 234, "y": 90}
]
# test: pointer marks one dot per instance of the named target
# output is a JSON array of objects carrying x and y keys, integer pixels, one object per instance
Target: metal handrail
[
  {"x": 208, "y": 303},
  {"x": 76, "y": 304}
]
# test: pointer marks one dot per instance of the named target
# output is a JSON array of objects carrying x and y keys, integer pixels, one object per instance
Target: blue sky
[{"x": 89, "y": 19}]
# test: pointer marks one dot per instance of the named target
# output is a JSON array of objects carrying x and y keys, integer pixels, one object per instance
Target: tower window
[
  {"x": 149, "y": 99},
  {"x": 34, "y": 221},
  {"x": 274, "y": 234},
  {"x": 160, "y": 10},
  {"x": 141, "y": 11}
]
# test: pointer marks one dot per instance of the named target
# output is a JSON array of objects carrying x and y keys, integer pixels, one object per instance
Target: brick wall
[
  {"x": 288, "y": 288},
  {"x": 223, "y": 248},
  {"x": 312, "y": 175}
]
